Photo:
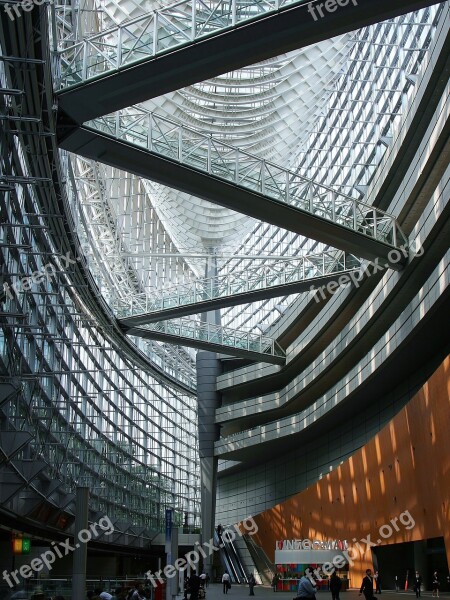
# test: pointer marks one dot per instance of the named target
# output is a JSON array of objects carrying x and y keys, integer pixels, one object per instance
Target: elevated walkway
[
  {"x": 191, "y": 41},
  {"x": 157, "y": 148},
  {"x": 213, "y": 338},
  {"x": 259, "y": 283}
]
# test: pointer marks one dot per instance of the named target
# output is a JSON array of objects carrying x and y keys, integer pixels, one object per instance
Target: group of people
[
  {"x": 195, "y": 586},
  {"x": 137, "y": 592},
  {"x": 367, "y": 584},
  {"x": 435, "y": 584},
  {"x": 226, "y": 583},
  {"x": 307, "y": 587}
]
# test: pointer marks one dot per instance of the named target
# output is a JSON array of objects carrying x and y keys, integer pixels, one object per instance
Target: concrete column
[
  {"x": 174, "y": 587},
  {"x": 208, "y": 368},
  {"x": 80, "y": 552}
]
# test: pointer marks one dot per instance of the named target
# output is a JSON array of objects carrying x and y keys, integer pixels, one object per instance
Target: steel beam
[
  {"x": 204, "y": 344},
  {"x": 140, "y": 161},
  {"x": 245, "y": 43}
]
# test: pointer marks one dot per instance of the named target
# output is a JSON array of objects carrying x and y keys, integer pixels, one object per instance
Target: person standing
[
  {"x": 251, "y": 584},
  {"x": 377, "y": 583},
  {"x": 226, "y": 582},
  {"x": 397, "y": 587},
  {"x": 194, "y": 585},
  {"x": 417, "y": 583},
  {"x": 435, "y": 584},
  {"x": 367, "y": 585},
  {"x": 335, "y": 586}
]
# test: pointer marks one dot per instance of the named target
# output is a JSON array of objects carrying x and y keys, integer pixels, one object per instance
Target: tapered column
[{"x": 208, "y": 368}]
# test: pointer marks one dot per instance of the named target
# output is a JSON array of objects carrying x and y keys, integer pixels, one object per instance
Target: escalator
[
  {"x": 265, "y": 568},
  {"x": 230, "y": 558}
]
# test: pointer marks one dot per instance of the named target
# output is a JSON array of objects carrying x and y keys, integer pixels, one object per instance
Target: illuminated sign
[{"x": 21, "y": 545}]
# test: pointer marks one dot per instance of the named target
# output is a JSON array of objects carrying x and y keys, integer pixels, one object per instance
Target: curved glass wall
[{"x": 98, "y": 413}]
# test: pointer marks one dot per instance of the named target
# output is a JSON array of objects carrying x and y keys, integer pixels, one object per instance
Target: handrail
[
  {"x": 191, "y": 148},
  {"x": 154, "y": 34},
  {"x": 303, "y": 268},
  {"x": 218, "y": 335}
]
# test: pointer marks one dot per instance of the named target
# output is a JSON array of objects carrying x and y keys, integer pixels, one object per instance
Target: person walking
[
  {"x": 417, "y": 583},
  {"x": 367, "y": 585},
  {"x": 435, "y": 585},
  {"x": 137, "y": 593},
  {"x": 251, "y": 584},
  {"x": 377, "y": 583},
  {"x": 335, "y": 586},
  {"x": 306, "y": 589},
  {"x": 226, "y": 582},
  {"x": 275, "y": 580}
]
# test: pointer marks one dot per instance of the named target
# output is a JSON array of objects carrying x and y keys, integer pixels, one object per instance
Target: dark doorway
[{"x": 404, "y": 559}]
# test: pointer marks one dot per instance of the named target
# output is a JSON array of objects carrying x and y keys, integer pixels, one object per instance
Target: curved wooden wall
[{"x": 406, "y": 467}]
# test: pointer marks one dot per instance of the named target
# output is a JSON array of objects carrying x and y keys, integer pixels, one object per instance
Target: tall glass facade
[
  {"x": 99, "y": 412},
  {"x": 80, "y": 240}
]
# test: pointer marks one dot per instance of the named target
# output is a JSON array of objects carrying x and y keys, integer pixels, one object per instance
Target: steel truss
[
  {"x": 214, "y": 338},
  {"x": 270, "y": 280},
  {"x": 316, "y": 206},
  {"x": 104, "y": 203}
]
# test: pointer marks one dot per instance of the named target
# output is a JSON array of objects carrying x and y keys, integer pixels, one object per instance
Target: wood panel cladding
[{"x": 405, "y": 467}]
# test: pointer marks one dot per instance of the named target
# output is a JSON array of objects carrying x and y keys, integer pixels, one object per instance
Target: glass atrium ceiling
[{"x": 327, "y": 111}]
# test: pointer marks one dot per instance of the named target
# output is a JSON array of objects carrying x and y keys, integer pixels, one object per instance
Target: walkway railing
[
  {"x": 224, "y": 288},
  {"x": 153, "y": 34},
  {"x": 189, "y": 330},
  {"x": 187, "y": 146}
]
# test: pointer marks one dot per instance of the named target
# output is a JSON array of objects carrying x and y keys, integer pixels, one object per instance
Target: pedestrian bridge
[
  {"x": 214, "y": 338},
  {"x": 261, "y": 282},
  {"x": 157, "y": 148},
  {"x": 192, "y": 40}
]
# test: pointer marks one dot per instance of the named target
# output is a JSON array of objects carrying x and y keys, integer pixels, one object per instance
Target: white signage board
[{"x": 307, "y": 552}]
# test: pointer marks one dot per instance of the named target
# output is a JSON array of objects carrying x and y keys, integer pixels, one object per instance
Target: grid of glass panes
[{"x": 98, "y": 418}]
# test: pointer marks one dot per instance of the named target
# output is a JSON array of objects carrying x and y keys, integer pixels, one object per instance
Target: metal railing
[
  {"x": 153, "y": 34},
  {"x": 215, "y": 334},
  {"x": 253, "y": 279},
  {"x": 189, "y": 147}
]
